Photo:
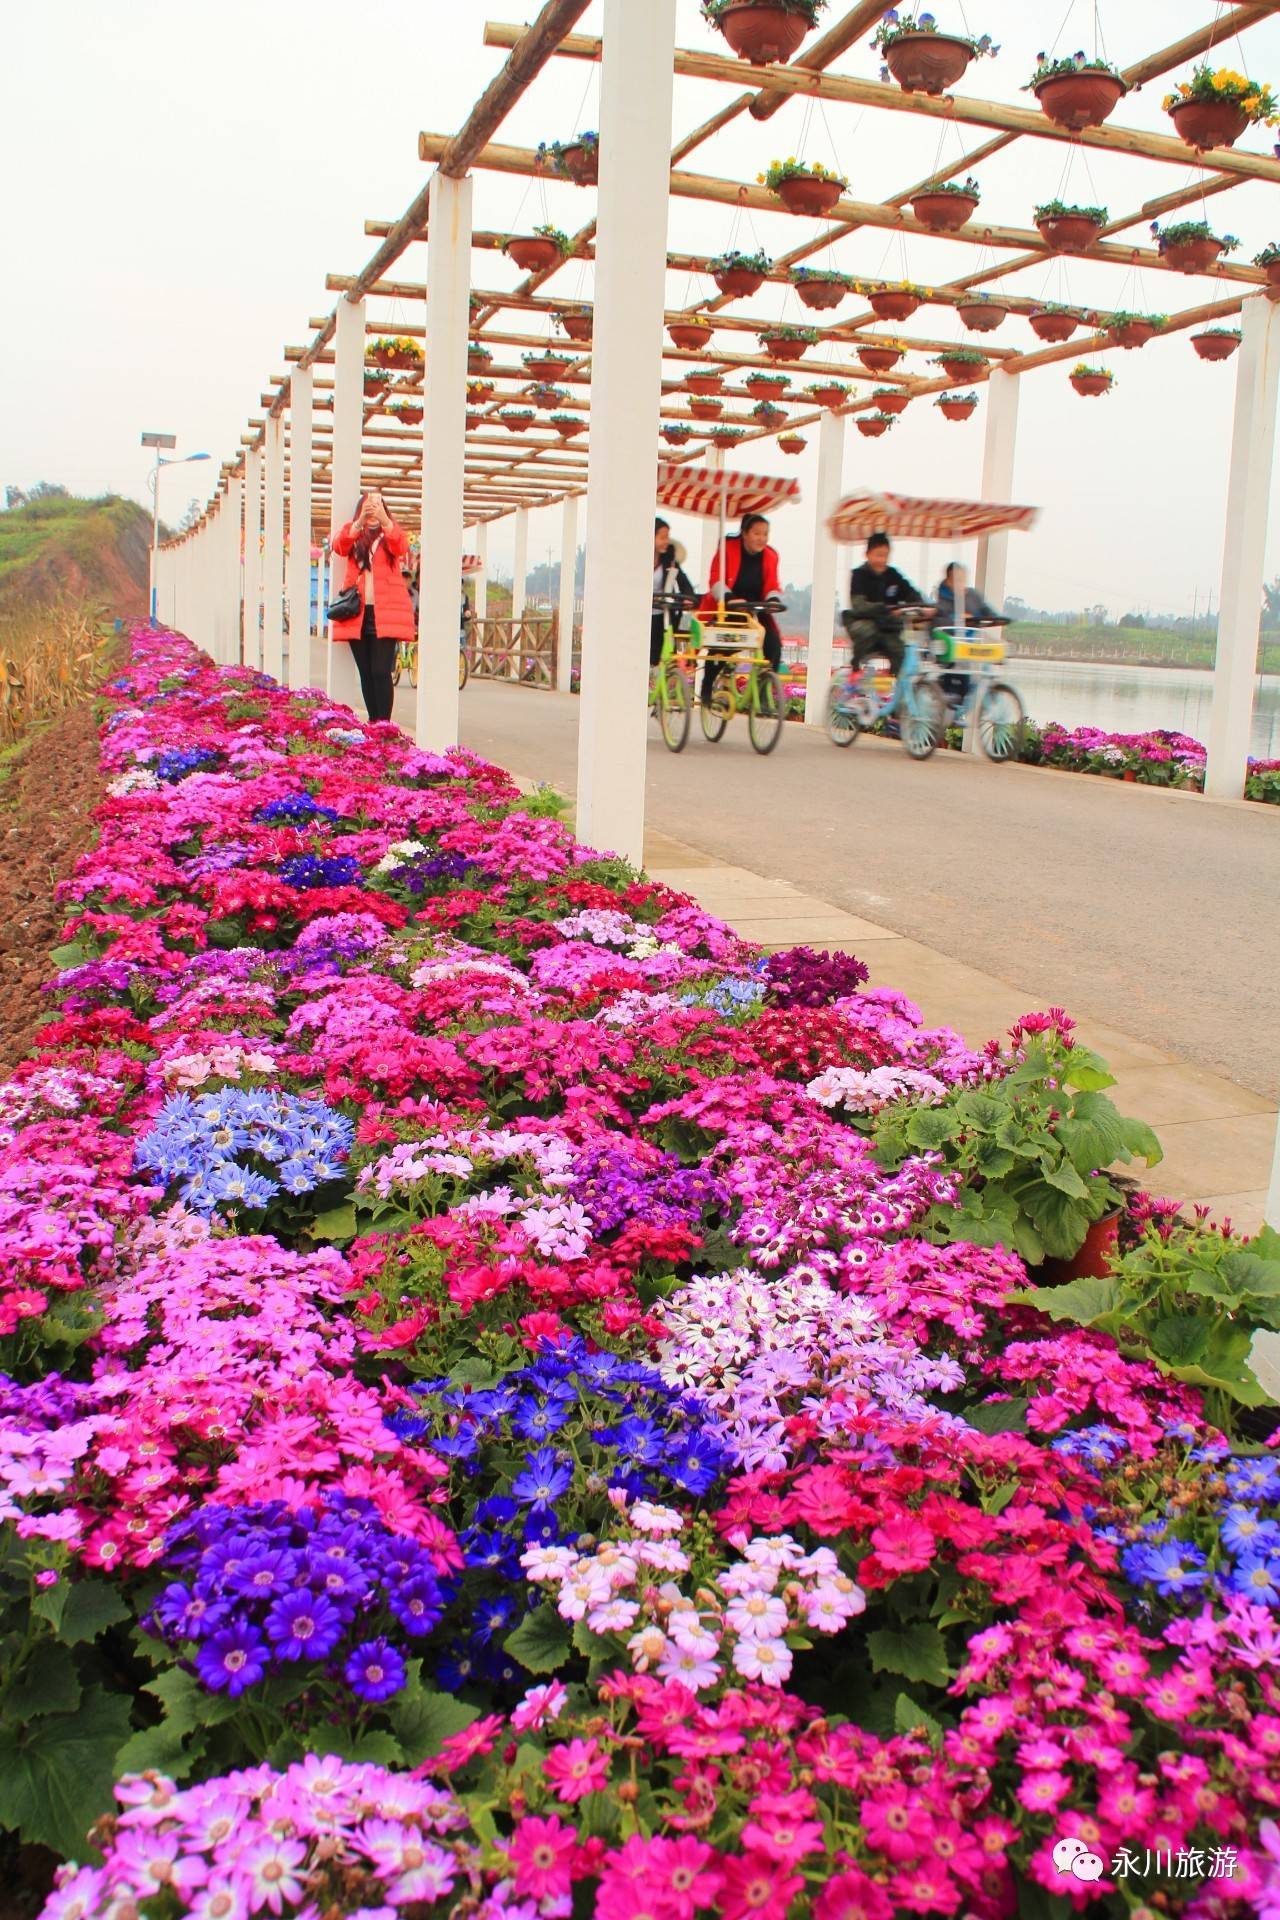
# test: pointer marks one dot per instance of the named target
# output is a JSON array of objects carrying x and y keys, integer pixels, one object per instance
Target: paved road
[{"x": 1154, "y": 912}]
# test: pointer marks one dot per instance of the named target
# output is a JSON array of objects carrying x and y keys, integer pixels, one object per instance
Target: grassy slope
[{"x": 92, "y": 550}]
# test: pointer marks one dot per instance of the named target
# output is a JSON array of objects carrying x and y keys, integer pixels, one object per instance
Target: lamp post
[{"x": 159, "y": 441}]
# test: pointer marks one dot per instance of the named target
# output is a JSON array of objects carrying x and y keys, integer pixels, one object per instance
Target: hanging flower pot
[
  {"x": 891, "y": 399},
  {"x": 765, "y": 34},
  {"x": 534, "y": 252},
  {"x": 480, "y": 392},
  {"x": 397, "y": 355},
  {"x": 473, "y": 421},
  {"x": 1131, "y": 330},
  {"x": 1077, "y": 97},
  {"x": 927, "y": 62},
  {"x": 1269, "y": 261},
  {"x": 894, "y": 303},
  {"x": 1194, "y": 254},
  {"x": 983, "y": 316},
  {"x": 827, "y": 393},
  {"x": 375, "y": 383},
  {"x": 704, "y": 382},
  {"x": 956, "y": 406},
  {"x": 1219, "y": 343},
  {"x": 546, "y": 366},
  {"x": 726, "y": 436},
  {"x": 517, "y": 419},
  {"x": 478, "y": 358},
  {"x": 769, "y": 415},
  {"x": 1069, "y": 229},
  {"x": 567, "y": 425},
  {"x": 1209, "y": 123},
  {"x": 739, "y": 275},
  {"x": 1051, "y": 323},
  {"x": 1091, "y": 381},
  {"x": 811, "y": 190},
  {"x": 675, "y": 435},
  {"x": 690, "y": 335},
  {"x": 873, "y": 424},
  {"x": 766, "y": 386},
  {"x": 547, "y": 397},
  {"x": 792, "y": 442},
  {"x": 706, "y": 409},
  {"x": 408, "y": 416},
  {"x": 577, "y": 160},
  {"x": 820, "y": 291},
  {"x": 577, "y": 325},
  {"x": 880, "y": 359},
  {"x": 946, "y": 209},
  {"x": 787, "y": 343}
]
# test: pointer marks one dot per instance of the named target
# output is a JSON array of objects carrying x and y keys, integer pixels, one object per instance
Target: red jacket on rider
[{"x": 732, "y": 561}]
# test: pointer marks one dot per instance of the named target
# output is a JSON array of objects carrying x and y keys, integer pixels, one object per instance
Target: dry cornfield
[{"x": 51, "y": 656}]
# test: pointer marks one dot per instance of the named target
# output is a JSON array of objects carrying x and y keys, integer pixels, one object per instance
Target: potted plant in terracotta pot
[
  {"x": 1269, "y": 261},
  {"x": 478, "y": 358},
  {"x": 544, "y": 395},
  {"x": 397, "y": 353},
  {"x": 407, "y": 412},
  {"x": 1191, "y": 245},
  {"x": 535, "y": 252},
  {"x": 705, "y": 407},
  {"x": 473, "y": 421},
  {"x": 1069, "y": 229},
  {"x": 480, "y": 392},
  {"x": 765, "y": 32},
  {"x": 874, "y": 424},
  {"x": 804, "y": 187},
  {"x": 1133, "y": 329},
  {"x": 577, "y": 159},
  {"x": 1091, "y": 381},
  {"x": 948, "y": 206},
  {"x": 880, "y": 356},
  {"x": 1052, "y": 322},
  {"x": 546, "y": 366},
  {"x": 792, "y": 442},
  {"x": 577, "y": 323},
  {"x": 762, "y": 385},
  {"x": 897, "y": 301},
  {"x": 956, "y": 406},
  {"x": 705, "y": 380},
  {"x": 740, "y": 274},
  {"x": 768, "y": 413},
  {"x": 675, "y": 434},
  {"x": 919, "y": 56},
  {"x": 891, "y": 399},
  {"x": 726, "y": 436},
  {"x": 821, "y": 288},
  {"x": 1216, "y": 343},
  {"x": 787, "y": 342},
  {"x": 516, "y": 419},
  {"x": 376, "y": 382},
  {"x": 567, "y": 425},
  {"x": 982, "y": 314},
  {"x": 960, "y": 363},
  {"x": 690, "y": 334},
  {"x": 1213, "y": 107},
  {"x": 1077, "y": 92},
  {"x": 827, "y": 393}
]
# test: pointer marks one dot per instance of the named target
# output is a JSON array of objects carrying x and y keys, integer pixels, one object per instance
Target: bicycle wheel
[
  {"x": 842, "y": 722},
  {"x": 767, "y": 713},
  {"x": 397, "y": 665},
  {"x": 411, "y": 661},
  {"x": 1002, "y": 722},
  {"x": 464, "y": 671},
  {"x": 716, "y": 716},
  {"x": 922, "y": 718},
  {"x": 675, "y": 710}
]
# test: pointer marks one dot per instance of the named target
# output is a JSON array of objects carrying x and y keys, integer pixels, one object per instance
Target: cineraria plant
[
  {"x": 1269, "y": 256},
  {"x": 734, "y": 260},
  {"x": 1122, "y": 318},
  {"x": 1048, "y": 68},
  {"x": 793, "y": 169},
  {"x": 897, "y": 24},
  {"x": 800, "y": 275},
  {"x": 969, "y": 356},
  {"x": 1062, "y": 209},
  {"x": 553, "y": 151},
  {"x": 787, "y": 331},
  {"x": 712, "y": 10},
  {"x": 1184, "y": 230},
  {"x": 557, "y": 238},
  {"x": 969, "y": 187}
]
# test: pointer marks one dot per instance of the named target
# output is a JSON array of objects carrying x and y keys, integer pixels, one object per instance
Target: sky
[{"x": 180, "y": 177}]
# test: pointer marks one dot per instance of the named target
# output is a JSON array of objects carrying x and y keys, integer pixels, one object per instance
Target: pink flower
[
  {"x": 903, "y": 1545},
  {"x": 1042, "y": 1792},
  {"x": 577, "y": 1768},
  {"x": 755, "y": 1890},
  {"x": 542, "y": 1853},
  {"x": 852, "y": 1896}
]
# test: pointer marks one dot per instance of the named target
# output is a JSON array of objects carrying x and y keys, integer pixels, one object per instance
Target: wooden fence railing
[{"x": 523, "y": 650}]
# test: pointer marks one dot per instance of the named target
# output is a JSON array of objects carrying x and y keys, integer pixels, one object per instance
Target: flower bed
[
  {"x": 1157, "y": 758},
  {"x": 505, "y": 1404}
]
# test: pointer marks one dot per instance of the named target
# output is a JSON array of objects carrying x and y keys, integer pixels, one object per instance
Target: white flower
[{"x": 768, "y": 1661}]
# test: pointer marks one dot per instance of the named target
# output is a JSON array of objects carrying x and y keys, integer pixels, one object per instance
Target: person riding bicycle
[
  {"x": 877, "y": 595},
  {"x": 977, "y": 613},
  {"x": 668, "y": 578},
  {"x": 751, "y": 571}
]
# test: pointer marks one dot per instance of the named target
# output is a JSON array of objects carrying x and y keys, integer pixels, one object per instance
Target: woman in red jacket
[
  {"x": 373, "y": 546},
  {"x": 751, "y": 570}
]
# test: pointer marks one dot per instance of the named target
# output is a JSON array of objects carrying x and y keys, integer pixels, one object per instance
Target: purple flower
[
  {"x": 304, "y": 1625},
  {"x": 375, "y": 1670},
  {"x": 234, "y": 1659}
]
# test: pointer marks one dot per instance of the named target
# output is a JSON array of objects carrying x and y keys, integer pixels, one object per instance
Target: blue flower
[
  {"x": 1245, "y": 1531},
  {"x": 375, "y": 1670},
  {"x": 1257, "y": 1577},
  {"x": 493, "y": 1617},
  {"x": 234, "y": 1659},
  {"x": 264, "y": 1574},
  {"x": 417, "y": 1605},
  {"x": 304, "y": 1625},
  {"x": 1254, "y": 1479},
  {"x": 1173, "y": 1567},
  {"x": 543, "y": 1481}
]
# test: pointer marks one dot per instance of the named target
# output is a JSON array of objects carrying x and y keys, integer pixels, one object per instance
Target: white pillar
[
  {"x": 231, "y": 566},
  {"x": 253, "y": 557},
  {"x": 444, "y": 433},
  {"x": 298, "y": 571},
  {"x": 520, "y": 564},
  {"x": 997, "y": 481},
  {"x": 482, "y": 578},
  {"x": 273, "y": 548},
  {"x": 710, "y": 528},
  {"x": 341, "y": 678},
  {"x": 626, "y": 377},
  {"x": 1271, "y": 1212},
  {"x": 821, "y": 649},
  {"x": 1253, "y": 438},
  {"x": 568, "y": 572}
]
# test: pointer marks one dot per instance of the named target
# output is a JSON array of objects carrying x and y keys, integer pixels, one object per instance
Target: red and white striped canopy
[
  {"x": 708, "y": 491},
  {"x": 471, "y": 563},
  {"x": 862, "y": 514}
]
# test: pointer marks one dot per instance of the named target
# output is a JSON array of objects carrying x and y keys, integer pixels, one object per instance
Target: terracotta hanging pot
[
  {"x": 581, "y": 162},
  {"x": 893, "y": 402},
  {"x": 1068, "y": 232},
  {"x": 724, "y": 436},
  {"x": 1052, "y": 326},
  {"x": 769, "y": 416},
  {"x": 870, "y": 426},
  {"x": 704, "y": 382},
  {"x": 1132, "y": 333},
  {"x": 1215, "y": 346},
  {"x": 473, "y": 421},
  {"x": 689, "y": 334},
  {"x": 959, "y": 370},
  {"x": 764, "y": 386},
  {"x": 706, "y": 409},
  {"x": 480, "y": 392},
  {"x": 779, "y": 347},
  {"x": 577, "y": 325},
  {"x": 792, "y": 442},
  {"x": 569, "y": 429},
  {"x": 534, "y": 253},
  {"x": 763, "y": 34},
  {"x": 893, "y": 303},
  {"x": 1193, "y": 256},
  {"x": 944, "y": 212},
  {"x": 803, "y": 194},
  {"x": 548, "y": 400},
  {"x": 879, "y": 359},
  {"x": 1091, "y": 385},
  {"x": 928, "y": 62},
  {"x": 982, "y": 316},
  {"x": 1083, "y": 99},
  {"x": 478, "y": 358},
  {"x": 956, "y": 409},
  {"x": 517, "y": 422},
  {"x": 395, "y": 359},
  {"x": 738, "y": 283},
  {"x": 549, "y": 367},
  {"x": 675, "y": 435},
  {"x": 408, "y": 416},
  {"x": 1209, "y": 123},
  {"x": 821, "y": 295},
  {"x": 827, "y": 396}
]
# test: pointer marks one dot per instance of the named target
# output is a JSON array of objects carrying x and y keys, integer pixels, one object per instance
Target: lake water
[{"x": 1132, "y": 699}]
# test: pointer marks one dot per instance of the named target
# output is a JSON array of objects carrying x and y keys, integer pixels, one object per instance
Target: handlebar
[
  {"x": 770, "y": 605},
  {"x": 674, "y": 600}
]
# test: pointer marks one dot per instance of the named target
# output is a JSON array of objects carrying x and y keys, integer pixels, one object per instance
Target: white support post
[
  {"x": 231, "y": 574},
  {"x": 213, "y": 577},
  {"x": 568, "y": 573},
  {"x": 444, "y": 433},
  {"x": 341, "y": 679},
  {"x": 1253, "y": 439},
  {"x": 520, "y": 564},
  {"x": 482, "y": 578},
  {"x": 997, "y": 480},
  {"x": 626, "y": 374},
  {"x": 253, "y": 557},
  {"x": 821, "y": 650},
  {"x": 298, "y": 566},
  {"x": 273, "y": 548},
  {"x": 1271, "y": 1211},
  {"x": 710, "y": 528}
]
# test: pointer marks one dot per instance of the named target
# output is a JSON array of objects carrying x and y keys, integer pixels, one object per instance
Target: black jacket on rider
[{"x": 878, "y": 596}]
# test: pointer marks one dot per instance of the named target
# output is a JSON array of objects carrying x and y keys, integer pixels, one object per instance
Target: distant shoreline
[{"x": 1105, "y": 657}]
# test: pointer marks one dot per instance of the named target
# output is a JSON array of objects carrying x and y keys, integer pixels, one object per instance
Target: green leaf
[
  {"x": 917, "y": 1652},
  {"x": 1086, "y": 1070},
  {"x": 1250, "y": 1277},
  {"x": 56, "y": 1773},
  {"x": 186, "y": 1703},
  {"x": 931, "y": 1127},
  {"x": 375, "y": 1746},
  {"x": 1140, "y": 1143},
  {"x": 92, "y": 1606},
  {"x": 1181, "y": 1337},
  {"x": 48, "y": 1683},
  {"x": 997, "y": 1416},
  {"x": 338, "y": 1223},
  {"x": 907, "y": 1716},
  {"x": 991, "y": 1161},
  {"x": 422, "y": 1721},
  {"x": 1064, "y": 1179},
  {"x": 76, "y": 953},
  {"x": 541, "y": 1641},
  {"x": 1082, "y": 1301},
  {"x": 162, "y": 1747}
]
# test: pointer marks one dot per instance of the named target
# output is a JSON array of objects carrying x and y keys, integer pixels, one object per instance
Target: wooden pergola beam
[
  {"x": 815, "y": 58},
  {"x": 1224, "y": 27}
]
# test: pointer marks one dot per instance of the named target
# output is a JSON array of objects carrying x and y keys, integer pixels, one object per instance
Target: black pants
[
  {"x": 872, "y": 639},
  {"x": 374, "y": 658},
  {"x": 770, "y": 646},
  {"x": 657, "y": 634}
]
